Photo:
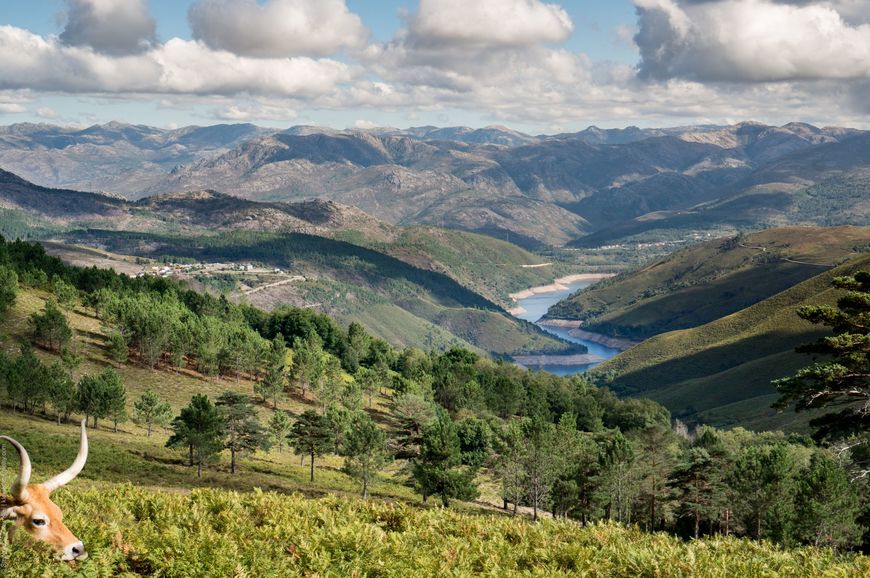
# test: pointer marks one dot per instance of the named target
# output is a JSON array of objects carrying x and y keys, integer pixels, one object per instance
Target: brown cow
[{"x": 33, "y": 510}]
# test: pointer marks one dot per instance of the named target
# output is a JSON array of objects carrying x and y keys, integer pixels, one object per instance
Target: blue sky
[{"x": 535, "y": 65}]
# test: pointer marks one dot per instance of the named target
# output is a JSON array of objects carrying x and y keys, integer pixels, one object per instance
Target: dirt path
[{"x": 293, "y": 279}]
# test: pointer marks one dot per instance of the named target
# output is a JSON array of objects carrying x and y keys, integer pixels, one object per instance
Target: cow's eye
[{"x": 39, "y": 522}]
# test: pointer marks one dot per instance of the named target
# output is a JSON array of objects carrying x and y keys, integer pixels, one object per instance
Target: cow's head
[{"x": 35, "y": 513}]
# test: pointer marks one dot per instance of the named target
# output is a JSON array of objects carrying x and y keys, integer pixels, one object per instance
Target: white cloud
[
  {"x": 11, "y": 108},
  {"x": 179, "y": 66},
  {"x": 255, "y": 111},
  {"x": 111, "y": 26},
  {"x": 365, "y": 124},
  {"x": 277, "y": 28},
  {"x": 750, "y": 40},
  {"x": 46, "y": 113},
  {"x": 490, "y": 22},
  {"x": 496, "y": 61}
]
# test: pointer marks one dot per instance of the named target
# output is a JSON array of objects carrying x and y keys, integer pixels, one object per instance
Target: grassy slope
[
  {"x": 131, "y": 456},
  {"x": 491, "y": 267},
  {"x": 707, "y": 281},
  {"x": 134, "y": 532},
  {"x": 720, "y": 372}
]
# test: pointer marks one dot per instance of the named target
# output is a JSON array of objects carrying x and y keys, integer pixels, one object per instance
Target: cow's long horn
[
  {"x": 19, "y": 486},
  {"x": 67, "y": 476}
]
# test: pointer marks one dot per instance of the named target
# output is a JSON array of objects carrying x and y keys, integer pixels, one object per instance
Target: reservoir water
[{"x": 537, "y": 305}]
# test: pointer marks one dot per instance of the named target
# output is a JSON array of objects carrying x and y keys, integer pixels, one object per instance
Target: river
[{"x": 534, "y": 307}]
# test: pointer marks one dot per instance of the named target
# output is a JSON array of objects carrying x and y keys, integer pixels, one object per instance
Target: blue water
[{"x": 537, "y": 305}]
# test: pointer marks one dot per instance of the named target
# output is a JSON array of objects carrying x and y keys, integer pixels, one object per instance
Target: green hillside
[
  {"x": 457, "y": 430},
  {"x": 710, "y": 280},
  {"x": 350, "y": 279},
  {"x": 720, "y": 373},
  {"x": 492, "y": 267}
]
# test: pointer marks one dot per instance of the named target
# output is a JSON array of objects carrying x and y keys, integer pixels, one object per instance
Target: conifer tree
[
  {"x": 151, "y": 410},
  {"x": 118, "y": 349},
  {"x": 842, "y": 378},
  {"x": 312, "y": 436},
  {"x": 8, "y": 288},
  {"x": 199, "y": 428},
  {"x": 61, "y": 390},
  {"x": 242, "y": 430},
  {"x": 51, "y": 327},
  {"x": 438, "y": 471},
  {"x": 365, "y": 450},
  {"x": 280, "y": 425},
  {"x": 102, "y": 395},
  {"x": 827, "y": 505}
]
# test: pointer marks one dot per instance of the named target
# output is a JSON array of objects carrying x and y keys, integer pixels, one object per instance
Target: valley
[{"x": 506, "y": 288}]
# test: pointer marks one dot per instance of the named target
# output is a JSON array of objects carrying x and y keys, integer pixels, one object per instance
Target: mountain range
[{"x": 590, "y": 188}]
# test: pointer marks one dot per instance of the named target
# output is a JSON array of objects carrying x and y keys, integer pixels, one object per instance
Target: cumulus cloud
[
  {"x": 499, "y": 60},
  {"x": 11, "y": 108},
  {"x": 749, "y": 41},
  {"x": 278, "y": 28},
  {"x": 490, "y": 22},
  {"x": 46, "y": 113},
  {"x": 245, "y": 112},
  {"x": 179, "y": 66},
  {"x": 115, "y": 27}
]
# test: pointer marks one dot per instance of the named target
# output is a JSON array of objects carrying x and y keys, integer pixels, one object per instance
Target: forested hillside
[
  {"x": 709, "y": 280},
  {"x": 183, "y": 390},
  {"x": 721, "y": 372}
]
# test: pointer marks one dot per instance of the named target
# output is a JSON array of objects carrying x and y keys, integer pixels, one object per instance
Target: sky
[{"x": 537, "y": 66}]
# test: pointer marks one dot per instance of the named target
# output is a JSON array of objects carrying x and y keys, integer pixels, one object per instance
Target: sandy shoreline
[
  {"x": 573, "y": 326},
  {"x": 559, "y": 284}
]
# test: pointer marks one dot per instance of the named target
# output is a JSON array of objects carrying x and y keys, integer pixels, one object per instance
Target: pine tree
[
  {"x": 365, "y": 451},
  {"x": 8, "y": 288},
  {"x": 510, "y": 464},
  {"x": 51, "y": 327},
  {"x": 693, "y": 483},
  {"x": 439, "y": 470},
  {"x": 827, "y": 505},
  {"x": 119, "y": 351},
  {"x": 308, "y": 361},
  {"x": 657, "y": 448},
  {"x": 763, "y": 481},
  {"x": 241, "y": 426},
  {"x": 616, "y": 458},
  {"x": 117, "y": 396},
  {"x": 369, "y": 382},
  {"x": 275, "y": 379},
  {"x": 843, "y": 378},
  {"x": 102, "y": 395},
  {"x": 61, "y": 391},
  {"x": 199, "y": 428},
  {"x": 312, "y": 436},
  {"x": 280, "y": 425},
  {"x": 151, "y": 410},
  {"x": 66, "y": 294}
]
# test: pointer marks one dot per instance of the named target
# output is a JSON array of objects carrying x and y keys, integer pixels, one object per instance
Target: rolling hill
[
  {"x": 710, "y": 280},
  {"x": 720, "y": 372}
]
